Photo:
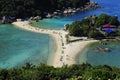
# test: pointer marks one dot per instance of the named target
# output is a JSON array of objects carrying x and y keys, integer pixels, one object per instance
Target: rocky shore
[
  {"x": 72, "y": 10},
  {"x": 62, "y": 12}
]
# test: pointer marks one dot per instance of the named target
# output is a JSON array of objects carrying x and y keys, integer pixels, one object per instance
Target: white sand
[{"x": 65, "y": 53}]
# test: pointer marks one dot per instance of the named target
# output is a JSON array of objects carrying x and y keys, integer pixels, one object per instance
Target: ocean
[
  {"x": 89, "y": 55},
  {"x": 19, "y": 46}
]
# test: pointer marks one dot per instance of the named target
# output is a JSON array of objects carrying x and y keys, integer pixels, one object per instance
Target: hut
[{"x": 109, "y": 28}]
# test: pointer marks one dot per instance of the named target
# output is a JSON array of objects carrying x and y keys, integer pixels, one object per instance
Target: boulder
[
  {"x": 49, "y": 15},
  {"x": 7, "y": 19}
]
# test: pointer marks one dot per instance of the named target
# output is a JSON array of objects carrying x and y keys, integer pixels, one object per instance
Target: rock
[
  {"x": 78, "y": 9},
  {"x": 55, "y": 13},
  {"x": 35, "y": 18},
  {"x": 66, "y": 26},
  {"x": 31, "y": 18},
  {"x": 49, "y": 15},
  {"x": 19, "y": 20},
  {"x": 74, "y": 11},
  {"x": 102, "y": 49},
  {"x": 3, "y": 19},
  {"x": 39, "y": 17},
  {"x": 65, "y": 11},
  {"x": 58, "y": 10},
  {"x": 7, "y": 19},
  {"x": 0, "y": 21},
  {"x": 70, "y": 10},
  {"x": 106, "y": 50}
]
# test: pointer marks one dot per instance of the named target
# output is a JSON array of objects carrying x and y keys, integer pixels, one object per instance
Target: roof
[
  {"x": 109, "y": 30},
  {"x": 107, "y": 25}
]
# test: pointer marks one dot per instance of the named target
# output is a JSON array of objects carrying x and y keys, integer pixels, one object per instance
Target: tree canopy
[
  {"x": 88, "y": 26},
  {"x": 73, "y": 72},
  {"x": 22, "y": 8}
]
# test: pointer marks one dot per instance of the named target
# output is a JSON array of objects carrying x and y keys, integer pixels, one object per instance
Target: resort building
[{"x": 109, "y": 28}]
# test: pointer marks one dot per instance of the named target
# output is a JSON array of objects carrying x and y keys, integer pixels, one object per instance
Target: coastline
[
  {"x": 52, "y": 50},
  {"x": 74, "y": 49},
  {"x": 65, "y": 54}
]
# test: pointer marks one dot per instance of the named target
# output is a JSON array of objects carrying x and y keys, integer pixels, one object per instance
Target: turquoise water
[
  {"x": 18, "y": 47},
  {"x": 102, "y": 58},
  {"x": 53, "y": 23},
  {"x": 111, "y": 7},
  {"x": 88, "y": 55}
]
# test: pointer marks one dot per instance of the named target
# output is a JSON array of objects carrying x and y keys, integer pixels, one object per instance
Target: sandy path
[{"x": 65, "y": 53}]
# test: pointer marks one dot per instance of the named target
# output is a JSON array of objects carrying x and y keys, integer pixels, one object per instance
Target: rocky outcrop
[
  {"x": 88, "y": 6},
  {"x": 70, "y": 10},
  {"x": 49, "y": 15},
  {"x": 63, "y": 11},
  {"x": 36, "y": 18},
  {"x": 102, "y": 49},
  {"x": 7, "y": 19}
]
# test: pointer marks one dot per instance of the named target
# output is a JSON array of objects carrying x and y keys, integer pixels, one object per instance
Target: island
[
  {"x": 70, "y": 41},
  {"x": 98, "y": 27},
  {"x": 77, "y": 35},
  {"x": 11, "y": 10}
]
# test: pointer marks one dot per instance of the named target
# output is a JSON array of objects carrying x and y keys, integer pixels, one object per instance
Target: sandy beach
[{"x": 65, "y": 54}]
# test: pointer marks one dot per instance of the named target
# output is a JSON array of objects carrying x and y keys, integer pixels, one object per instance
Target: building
[{"x": 109, "y": 28}]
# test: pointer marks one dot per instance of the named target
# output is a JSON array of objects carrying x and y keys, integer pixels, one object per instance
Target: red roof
[{"x": 107, "y": 25}]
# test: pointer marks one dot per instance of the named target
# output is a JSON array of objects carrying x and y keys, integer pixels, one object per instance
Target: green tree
[
  {"x": 118, "y": 32},
  {"x": 114, "y": 20},
  {"x": 75, "y": 29},
  {"x": 101, "y": 20}
]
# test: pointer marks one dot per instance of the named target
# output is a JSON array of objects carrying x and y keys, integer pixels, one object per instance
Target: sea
[{"x": 18, "y": 46}]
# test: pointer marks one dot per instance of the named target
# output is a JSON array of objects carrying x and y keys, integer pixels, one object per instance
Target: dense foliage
[
  {"x": 104, "y": 18},
  {"x": 88, "y": 26},
  {"x": 21, "y": 8},
  {"x": 74, "y": 72}
]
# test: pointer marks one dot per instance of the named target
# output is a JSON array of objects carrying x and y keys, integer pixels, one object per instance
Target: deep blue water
[{"x": 111, "y": 7}]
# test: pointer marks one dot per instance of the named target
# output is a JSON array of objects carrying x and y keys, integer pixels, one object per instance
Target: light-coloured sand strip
[
  {"x": 65, "y": 53},
  {"x": 73, "y": 49}
]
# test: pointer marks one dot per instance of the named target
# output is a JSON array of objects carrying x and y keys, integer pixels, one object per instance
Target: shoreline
[
  {"x": 52, "y": 50},
  {"x": 65, "y": 54},
  {"x": 75, "y": 49}
]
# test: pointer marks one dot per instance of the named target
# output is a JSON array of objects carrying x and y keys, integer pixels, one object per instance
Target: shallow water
[
  {"x": 53, "y": 23},
  {"x": 93, "y": 57},
  {"x": 111, "y": 7},
  {"x": 19, "y": 46}
]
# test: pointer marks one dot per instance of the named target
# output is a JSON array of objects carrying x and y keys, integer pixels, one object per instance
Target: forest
[
  {"x": 28, "y": 8},
  {"x": 89, "y": 25},
  {"x": 73, "y": 72}
]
